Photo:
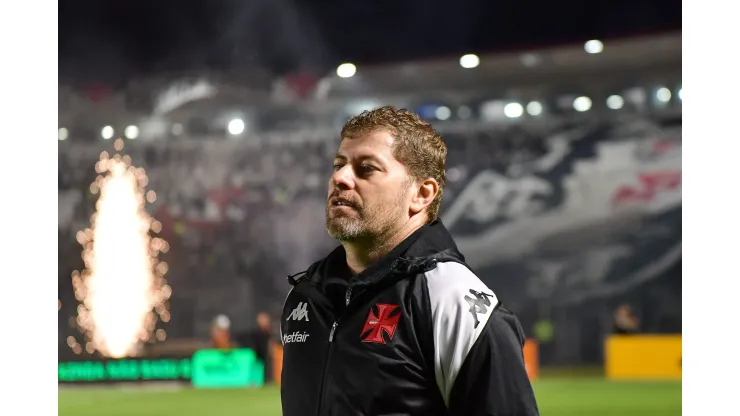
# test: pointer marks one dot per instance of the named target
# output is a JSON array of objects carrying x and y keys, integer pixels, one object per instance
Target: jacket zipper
[
  {"x": 347, "y": 296},
  {"x": 334, "y": 325}
]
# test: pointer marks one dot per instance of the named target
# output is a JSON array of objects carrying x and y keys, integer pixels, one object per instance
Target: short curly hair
[{"x": 416, "y": 144}]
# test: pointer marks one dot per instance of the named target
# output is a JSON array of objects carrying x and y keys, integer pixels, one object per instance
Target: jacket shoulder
[
  {"x": 461, "y": 306},
  {"x": 454, "y": 286}
]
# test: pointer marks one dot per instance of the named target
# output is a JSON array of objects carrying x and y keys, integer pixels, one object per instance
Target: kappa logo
[
  {"x": 295, "y": 337},
  {"x": 299, "y": 313},
  {"x": 479, "y": 304},
  {"x": 375, "y": 325}
]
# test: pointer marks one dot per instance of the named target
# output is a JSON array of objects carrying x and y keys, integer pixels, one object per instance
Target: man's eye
[
  {"x": 367, "y": 168},
  {"x": 337, "y": 167}
]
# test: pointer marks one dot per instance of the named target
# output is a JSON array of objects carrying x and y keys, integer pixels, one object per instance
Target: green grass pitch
[{"x": 556, "y": 397}]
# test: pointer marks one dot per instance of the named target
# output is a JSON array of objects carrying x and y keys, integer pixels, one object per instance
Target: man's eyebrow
[{"x": 370, "y": 158}]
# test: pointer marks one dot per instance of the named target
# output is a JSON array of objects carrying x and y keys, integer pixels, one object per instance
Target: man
[
  {"x": 625, "y": 322},
  {"x": 221, "y": 332},
  {"x": 393, "y": 322},
  {"x": 261, "y": 341}
]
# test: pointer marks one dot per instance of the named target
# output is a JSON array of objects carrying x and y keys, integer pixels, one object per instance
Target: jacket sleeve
[
  {"x": 493, "y": 379},
  {"x": 478, "y": 357}
]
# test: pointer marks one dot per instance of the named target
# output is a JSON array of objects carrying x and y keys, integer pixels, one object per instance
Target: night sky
[{"x": 112, "y": 41}]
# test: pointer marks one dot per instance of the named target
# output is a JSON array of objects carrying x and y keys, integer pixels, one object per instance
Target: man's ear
[{"x": 424, "y": 192}]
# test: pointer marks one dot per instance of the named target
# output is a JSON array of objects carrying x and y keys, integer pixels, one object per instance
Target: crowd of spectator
[{"x": 239, "y": 215}]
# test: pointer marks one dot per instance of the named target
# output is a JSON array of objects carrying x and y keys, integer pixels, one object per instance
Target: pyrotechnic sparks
[{"x": 122, "y": 291}]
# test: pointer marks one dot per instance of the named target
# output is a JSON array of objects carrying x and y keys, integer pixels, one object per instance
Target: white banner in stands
[
  {"x": 616, "y": 188},
  {"x": 181, "y": 93}
]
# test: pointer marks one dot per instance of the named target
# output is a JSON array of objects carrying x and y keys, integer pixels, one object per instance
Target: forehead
[{"x": 373, "y": 144}]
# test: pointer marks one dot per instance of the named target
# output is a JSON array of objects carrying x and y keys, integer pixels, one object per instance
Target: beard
[{"x": 365, "y": 222}]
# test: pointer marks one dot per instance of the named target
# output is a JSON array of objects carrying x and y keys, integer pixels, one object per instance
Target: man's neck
[{"x": 362, "y": 254}]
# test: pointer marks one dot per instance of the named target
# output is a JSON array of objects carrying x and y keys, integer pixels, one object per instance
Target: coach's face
[{"x": 369, "y": 191}]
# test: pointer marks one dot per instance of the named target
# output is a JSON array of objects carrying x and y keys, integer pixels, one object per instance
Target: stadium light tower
[
  {"x": 534, "y": 108},
  {"x": 443, "y": 113},
  {"x": 663, "y": 94},
  {"x": 464, "y": 112},
  {"x": 107, "y": 132},
  {"x": 346, "y": 70},
  {"x": 594, "y": 46},
  {"x": 582, "y": 104},
  {"x": 469, "y": 61},
  {"x": 513, "y": 110},
  {"x": 615, "y": 102},
  {"x": 131, "y": 132},
  {"x": 236, "y": 126}
]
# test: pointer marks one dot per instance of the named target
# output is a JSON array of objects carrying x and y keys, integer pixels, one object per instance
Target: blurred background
[{"x": 563, "y": 126}]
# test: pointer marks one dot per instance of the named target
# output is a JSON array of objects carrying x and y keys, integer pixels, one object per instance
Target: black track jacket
[{"x": 417, "y": 333}]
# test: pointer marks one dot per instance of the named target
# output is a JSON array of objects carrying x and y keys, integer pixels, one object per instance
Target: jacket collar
[{"x": 418, "y": 253}]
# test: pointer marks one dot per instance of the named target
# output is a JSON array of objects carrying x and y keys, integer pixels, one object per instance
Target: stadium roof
[{"x": 655, "y": 53}]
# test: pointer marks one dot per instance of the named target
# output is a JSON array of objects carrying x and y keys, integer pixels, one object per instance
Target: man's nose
[{"x": 344, "y": 177}]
